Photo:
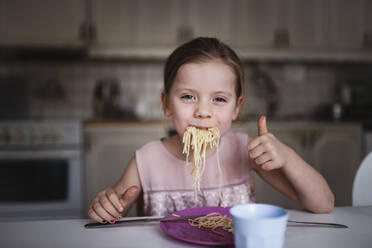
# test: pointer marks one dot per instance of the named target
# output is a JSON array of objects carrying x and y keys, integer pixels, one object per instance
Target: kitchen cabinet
[
  {"x": 270, "y": 27},
  {"x": 41, "y": 22},
  {"x": 135, "y": 28},
  {"x": 336, "y": 30},
  {"x": 209, "y": 18},
  {"x": 335, "y": 150},
  {"x": 339, "y": 25},
  {"x": 149, "y": 28},
  {"x": 305, "y": 22},
  {"x": 337, "y": 154},
  {"x": 257, "y": 29},
  {"x": 108, "y": 149},
  {"x": 348, "y": 23},
  {"x": 253, "y": 23}
]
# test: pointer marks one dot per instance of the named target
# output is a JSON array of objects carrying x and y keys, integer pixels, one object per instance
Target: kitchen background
[{"x": 308, "y": 66}]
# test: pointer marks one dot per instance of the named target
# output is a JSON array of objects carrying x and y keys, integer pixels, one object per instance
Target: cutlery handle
[
  {"x": 141, "y": 219},
  {"x": 323, "y": 224},
  {"x": 120, "y": 222}
]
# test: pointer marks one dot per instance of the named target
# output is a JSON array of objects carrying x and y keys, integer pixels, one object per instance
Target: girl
[{"x": 203, "y": 87}]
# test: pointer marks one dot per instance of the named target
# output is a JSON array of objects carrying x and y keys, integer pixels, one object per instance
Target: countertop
[
  {"x": 71, "y": 233},
  {"x": 102, "y": 122}
]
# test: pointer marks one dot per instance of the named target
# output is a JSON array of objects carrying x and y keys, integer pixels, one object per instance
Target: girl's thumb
[
  {"x": 129, "y": 194},
  {"x": 261, "y": 125}
]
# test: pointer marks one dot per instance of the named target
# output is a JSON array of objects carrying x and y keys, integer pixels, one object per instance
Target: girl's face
[{"x": 203, "y": 95}]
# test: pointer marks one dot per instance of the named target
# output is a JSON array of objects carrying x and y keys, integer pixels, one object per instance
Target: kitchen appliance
[
  {"x": 14, "y": 97},
  {"x": 41, "y": 168},
  {"x": 107, "y": 100},
  {"x": 356, "y": 95},
  {"x": 357, "y": 100}
]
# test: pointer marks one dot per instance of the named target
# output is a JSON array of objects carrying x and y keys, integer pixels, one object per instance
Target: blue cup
[{"x": 259, "y": 225}]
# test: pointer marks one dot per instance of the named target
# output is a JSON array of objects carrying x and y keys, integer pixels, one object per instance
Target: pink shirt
[{"x": 167, "y": 181}]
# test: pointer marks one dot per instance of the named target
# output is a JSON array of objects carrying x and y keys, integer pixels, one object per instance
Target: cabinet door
[
  {"x": 209, "y": 18},
  {"x": 306, "y": 23},
  {"x": 41, "y": 22},
  {"x": 337, "y": 154},
  {"x": 143, "y": 23},
  {"x": 109, "y": 150},
  {"x": 115, "y": 22},
  {"x": 347, "y": 23},
  {"x": 254, "y": 23},
  {"x": 158, "y": 22}
]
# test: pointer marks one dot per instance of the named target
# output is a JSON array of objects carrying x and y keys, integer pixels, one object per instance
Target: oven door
[{"x": 43, "y": 184}]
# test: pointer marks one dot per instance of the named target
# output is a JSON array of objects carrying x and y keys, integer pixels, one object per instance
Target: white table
[{"x": 71, "y": 233}]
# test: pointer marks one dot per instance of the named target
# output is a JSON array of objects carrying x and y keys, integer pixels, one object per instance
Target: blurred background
[{"x": 80, "y": 84}]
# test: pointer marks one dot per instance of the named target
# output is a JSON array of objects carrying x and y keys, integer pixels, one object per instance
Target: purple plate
[{"x": 183, "y": 231}]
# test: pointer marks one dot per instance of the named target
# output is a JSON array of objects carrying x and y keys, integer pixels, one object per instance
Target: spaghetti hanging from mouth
[{"x": 198, "y": 140}]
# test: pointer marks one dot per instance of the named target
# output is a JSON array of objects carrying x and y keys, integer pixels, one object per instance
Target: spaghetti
[
  {"x": 213, "y": 221},
  {"x": 198, "y": 140}
]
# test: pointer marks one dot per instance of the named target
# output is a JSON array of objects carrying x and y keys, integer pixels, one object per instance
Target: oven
[{"x": 41, "y": 168}]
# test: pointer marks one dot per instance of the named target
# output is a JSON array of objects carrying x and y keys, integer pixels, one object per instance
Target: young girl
[{"x": 203, "y": 88}]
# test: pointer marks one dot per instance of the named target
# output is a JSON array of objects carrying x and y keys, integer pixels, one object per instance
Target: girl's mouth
[{"x": 200, "y": 127}]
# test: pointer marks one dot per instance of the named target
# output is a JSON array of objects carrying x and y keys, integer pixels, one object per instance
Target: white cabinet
[
  {"x": 143, "y": 23},
  {"x": 253, "y": 23},
  {"x": 41, "y": 22},
  {"x": 108, "y": 149},
  {"x": 334, "y": 150},
  {"x": 305, "y": 22},
  {"x": 347, "y": 23},
  {"x": 148, "y": 28},
  {"x": 209, "y": 18},
  {"x": 337, "y": 154},
  {"x": 115, "y": 22},
  {"x": 341, "y": 25},
  {"x": 273, "y": 25},
  {"x": 257, "y": 29}
]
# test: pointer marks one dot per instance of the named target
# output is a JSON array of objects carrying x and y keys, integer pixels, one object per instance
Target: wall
[{"x": 301, "y": 87}]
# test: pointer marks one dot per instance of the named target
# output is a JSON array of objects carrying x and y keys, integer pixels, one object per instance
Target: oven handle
[{"x": 71, "y": 154}]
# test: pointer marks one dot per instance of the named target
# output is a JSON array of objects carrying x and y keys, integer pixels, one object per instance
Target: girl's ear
[
  {"x": 164, "y": 100},
  {"x": 239, "y": 103}
]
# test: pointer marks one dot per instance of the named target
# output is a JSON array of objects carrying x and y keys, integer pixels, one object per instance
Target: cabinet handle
[
  {"x": 367, "y": 40},
  {"x": 87, "y": 32},
  {"x": 281, "y": 38}
]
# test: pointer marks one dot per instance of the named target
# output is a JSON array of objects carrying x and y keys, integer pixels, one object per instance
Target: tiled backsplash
[{"x": 301, "y": 87}]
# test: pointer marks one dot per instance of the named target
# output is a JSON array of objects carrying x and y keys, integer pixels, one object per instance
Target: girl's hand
[
  {"x": 108, "y": 205},
  {"x": 267, "y": 152}
]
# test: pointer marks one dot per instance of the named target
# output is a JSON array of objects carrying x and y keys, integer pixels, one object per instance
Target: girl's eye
[
  {"x": 219, "y": 99},
  {"x": 188, "y": 97}
]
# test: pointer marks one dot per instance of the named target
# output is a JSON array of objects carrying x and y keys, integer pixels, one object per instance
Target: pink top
[{"x": 167, "y": 181}]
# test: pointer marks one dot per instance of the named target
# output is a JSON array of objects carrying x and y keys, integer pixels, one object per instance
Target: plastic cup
[{"x": 259, "y": 225}]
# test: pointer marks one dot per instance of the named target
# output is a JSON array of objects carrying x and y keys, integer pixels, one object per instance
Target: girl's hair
[{"x": 203, "y": 49}]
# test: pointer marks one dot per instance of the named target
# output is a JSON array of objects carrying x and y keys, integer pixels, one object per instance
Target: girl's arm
[
  {"x": 112, "y": 202},
  {"x": 284, "y": 169}
]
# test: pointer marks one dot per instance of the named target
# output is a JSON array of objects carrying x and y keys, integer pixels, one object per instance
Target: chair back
[{"x": 362, "y": 187}]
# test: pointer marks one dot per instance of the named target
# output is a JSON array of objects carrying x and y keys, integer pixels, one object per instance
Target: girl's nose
[{"x": 203, "y": 111}]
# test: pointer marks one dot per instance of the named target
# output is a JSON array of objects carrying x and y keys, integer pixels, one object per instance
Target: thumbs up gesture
[{"x": 265, "y": 150}]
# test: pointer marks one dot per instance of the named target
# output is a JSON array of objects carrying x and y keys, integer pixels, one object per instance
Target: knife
[
  {"x": 123, "y": 222},
  {"x": 318, "y": 224}
]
